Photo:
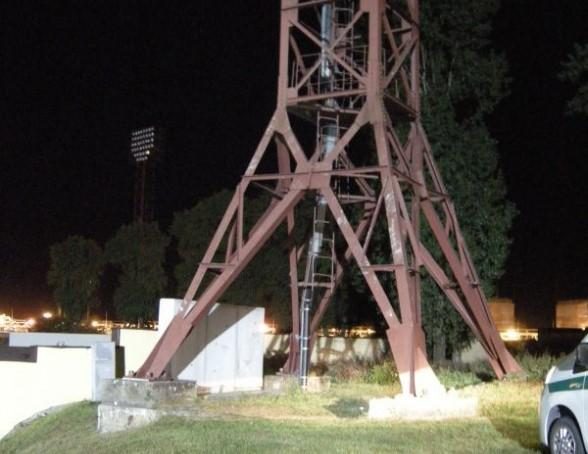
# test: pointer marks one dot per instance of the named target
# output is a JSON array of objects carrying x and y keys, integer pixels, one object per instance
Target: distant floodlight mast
[
  {"x": 349, "y": 75},
  {"x": 145, "y": 150}
]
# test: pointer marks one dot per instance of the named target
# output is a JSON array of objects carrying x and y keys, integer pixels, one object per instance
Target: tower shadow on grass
[{"x": 349, "y": 408}]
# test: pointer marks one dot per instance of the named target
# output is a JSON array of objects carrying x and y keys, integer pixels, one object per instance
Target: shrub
[
  {"x": 536, "y": 366},
  {"x": 319, "y": 369},
  {"x": 359, "y": 371},
  {"x": 454, "y": 378},
  {"x": 382, "y": 374},
  {"x": 482, "y": 370},
  {"x": 347, "y": 371}
]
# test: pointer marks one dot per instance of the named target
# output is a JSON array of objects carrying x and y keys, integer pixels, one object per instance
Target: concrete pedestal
[
  {"x": 433, "y": 407},
  {"x": 129, "y": 402},
  {"x": 282, "y": 383}
]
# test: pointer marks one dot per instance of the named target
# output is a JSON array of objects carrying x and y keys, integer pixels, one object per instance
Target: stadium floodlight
[
  {"x": 143, "y": 143},
  {"x": 146, "y": 148}
]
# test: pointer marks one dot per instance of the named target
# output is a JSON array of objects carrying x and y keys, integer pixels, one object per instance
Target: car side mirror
[{"x": 581, "y": 363}]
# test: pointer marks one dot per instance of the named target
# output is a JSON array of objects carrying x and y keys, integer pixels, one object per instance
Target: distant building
[
  {"x": 502, "y": 311},
  {"x": 571, "y": 314}
]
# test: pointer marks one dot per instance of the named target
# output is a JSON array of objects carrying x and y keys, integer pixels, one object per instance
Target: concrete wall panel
[
  {"x": 137, "y": 344},
  {"x": 224, "y": 351},
  {"x": 103, "y": 366},
  {"x": 250, "y": 348},
  {"x": 221, "y": 352},
  {"x": 28, "y": 388}
]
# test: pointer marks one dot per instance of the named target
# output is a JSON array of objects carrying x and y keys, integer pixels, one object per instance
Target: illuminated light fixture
[
  {"x": 143, "y": 143},
  {"x": 47, "y": 315},
  {"x": 510, "y": 335},
  {"x": 268, "y": 328}
]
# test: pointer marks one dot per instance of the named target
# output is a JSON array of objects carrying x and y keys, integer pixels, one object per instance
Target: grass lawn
[{"x": 330, "y": 422}]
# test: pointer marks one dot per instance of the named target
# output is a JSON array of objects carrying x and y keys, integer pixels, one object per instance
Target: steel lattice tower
[{"x": 351, "y": 69}]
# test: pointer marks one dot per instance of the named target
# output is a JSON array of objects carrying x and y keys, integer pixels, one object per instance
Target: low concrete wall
[
  {"x": 27, "y": 388},
  {"x": 55, "y": 339},
  {"x": 470, "y": 355},
  {"x": 275, "y": 344},
  {"x": 332, "y": 349},
  {"x": 139, "y": 343}
]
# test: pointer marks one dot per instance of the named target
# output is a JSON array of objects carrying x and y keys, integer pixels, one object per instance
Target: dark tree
[
  {"x": 264, "y": 282},
  {"x": 74, "y": 274},
  {"x": 138, "y": 252},
  {"x": 575, "y": 71},
  {"x": 463, "y": 80},
  {"x": 193, "y": 230}
]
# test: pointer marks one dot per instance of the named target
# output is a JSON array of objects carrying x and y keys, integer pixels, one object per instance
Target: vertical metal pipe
[
  {"x": 327, "y": 136},
  {"x": 326, "y": 39}
]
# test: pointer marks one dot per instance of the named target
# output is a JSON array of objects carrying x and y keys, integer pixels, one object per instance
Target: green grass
[
  {"x": 512, "y": 408},
  {"x": 329, "y": 422}
]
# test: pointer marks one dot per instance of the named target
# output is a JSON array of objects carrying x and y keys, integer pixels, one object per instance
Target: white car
[{"x": 563, "y": 411}]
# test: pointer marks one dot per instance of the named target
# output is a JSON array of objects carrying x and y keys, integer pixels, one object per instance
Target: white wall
[
  {"x": 103, "y": 366},
  {"x": 332, "y": 349},
  {"x": 275, "y": 344},
  {"x": 473, "y": 354},
  {"x": 137, "y": 344},
  {"x": 27, "y": 388},
  {"x": 223, "y": 352},
  {"x": 55, "y": 339}
]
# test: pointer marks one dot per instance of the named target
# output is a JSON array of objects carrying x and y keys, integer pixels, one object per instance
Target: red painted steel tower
[{"x": 349, "y": 73}]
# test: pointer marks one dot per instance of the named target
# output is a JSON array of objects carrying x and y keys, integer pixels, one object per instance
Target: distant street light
[{"x": 47, "y": 315}]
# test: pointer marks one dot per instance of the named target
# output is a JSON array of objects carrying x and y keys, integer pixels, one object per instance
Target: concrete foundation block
[
  {"x": 318, "y": 384},
  {"x": 285, "y": 383},
  {"x": 435, "y": 407},
  {"x": 131, "y": 392},
  {"x": 114, "y": 418},
  {"x": 280, "y": 383},
  {"x": 128, "y": 403}
]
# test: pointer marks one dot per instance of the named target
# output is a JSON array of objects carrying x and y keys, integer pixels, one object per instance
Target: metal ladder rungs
[{"x": 315, "y": 284}]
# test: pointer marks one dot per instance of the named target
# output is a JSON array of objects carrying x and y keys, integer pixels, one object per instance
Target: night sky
[{"x": 77, "y": 76}]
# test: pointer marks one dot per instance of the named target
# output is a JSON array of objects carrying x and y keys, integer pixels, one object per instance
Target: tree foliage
[
  {"x": 74, "y": 274},
  {"x": 193, "y": 230},
  {"x": 265, "y": 280},
  {"x": 459, "y": 64},
  {"x": 138, "y": 252},
  {"x": 463, "y": 80},
  {"x": 575, "y": 71}
]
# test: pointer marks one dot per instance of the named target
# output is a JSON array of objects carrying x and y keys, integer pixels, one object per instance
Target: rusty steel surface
[{"x": 373, "y": 62}]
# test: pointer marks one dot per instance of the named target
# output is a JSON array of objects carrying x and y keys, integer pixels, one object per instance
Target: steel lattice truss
[{"x": 391, "y": 178}]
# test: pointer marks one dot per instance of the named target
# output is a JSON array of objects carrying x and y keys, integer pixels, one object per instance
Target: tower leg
[
  {"x": 407, "y": 342},
  {"x": 183, "y": 322}
]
